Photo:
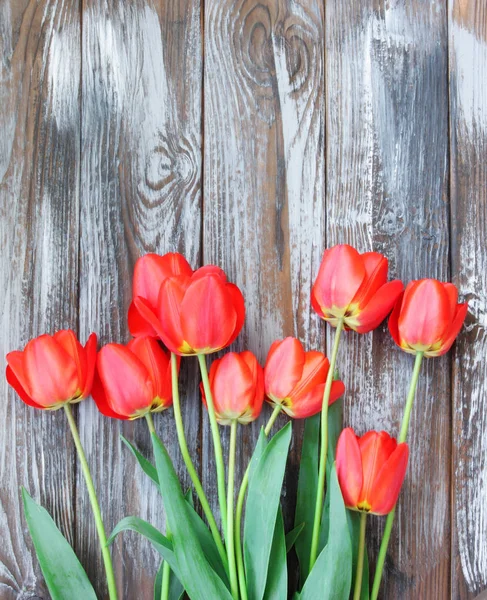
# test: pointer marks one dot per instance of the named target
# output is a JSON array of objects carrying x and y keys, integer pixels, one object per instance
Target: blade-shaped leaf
[
  {"x": 145, "y": 464},
  {"x": 276, "y": 585},
  {"x": 354, "y": 526},
  {"x": 292, "y": 536},
  {"x": 331, "y": 576},
  {"x": 262, "y": 505},
  {"x": 306, "y": 497},
  {"x": 199, "y": 579},
  {"x": 63, "y": 573},
  {"x": 176, "y": 590},
  {"x": 158, "y": 583}
]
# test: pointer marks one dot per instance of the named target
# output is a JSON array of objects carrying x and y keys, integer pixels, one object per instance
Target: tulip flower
[
  {"x": 427, "y": 317},
  {"x": 133, "y": 380},
  {"x": 237, "y": 386},
  {"x": 295, "y": 379},
  {"x": 352, "y": 288},
  {"x": 53, "y": 370},
  {"x": 370, "y": 470}
]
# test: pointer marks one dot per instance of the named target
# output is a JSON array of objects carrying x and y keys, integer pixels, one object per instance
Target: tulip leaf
[
  {"x": 145, "y": 464},
  {"x": 158, "y": 583},
  {"x": 335, "y": 426},
  {"x": 197, "y": 576},
  {"x": 292, "y": 536},
  {"x": 276, "y": 584},
  {"x": 306, "y": 496},
  {"x": 63, "y": 573},
  {"x": 331, "y": 576},
  {"x": 176, "y": 591},
  {"x": 265, "y": 483},
  {"x": 354, "y": 527}
]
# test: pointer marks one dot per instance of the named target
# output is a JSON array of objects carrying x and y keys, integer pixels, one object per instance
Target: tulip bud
[
  {"x": 427, "y": 318},
  {"x": 53, "y": 370},
  {"x": 295, "y": 379},
  {"x": 370, "y": 470},
  {"x": 237, "y": 387},
  {"x": 353, "y": 287}
]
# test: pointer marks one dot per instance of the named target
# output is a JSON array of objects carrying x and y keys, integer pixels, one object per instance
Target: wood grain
[
  {"x": 39, "y": 206},
  {"x": 141, "y": 157},
  {"x": 387, "y": 190},
  {"x": 468, "y": 127}
]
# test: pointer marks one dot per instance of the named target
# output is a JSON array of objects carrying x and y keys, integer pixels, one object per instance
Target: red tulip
[
  {"x": 295, "y": 379},
  {"x": 196, "y": 314},
  {"x": 370, "y": 470},
  {"x": 237, "y": 386},
  {"x": 132, "y": 380},
  {"x": 427, "y": 317},
  {"x": 149, "y": 273},
  {"x": 353, "y": 287},
  {"x": 53, "y": 370}
]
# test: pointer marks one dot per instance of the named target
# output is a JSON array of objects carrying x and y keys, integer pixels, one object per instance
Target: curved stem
[
  {"x": 239, "y": 509},
  {"x": 324, "y": 448},
  {"x": 189, "y": 463},
  {"x": 230, "y": 522},
  {"x": 95, "y": 507},
  {"x": 150, "y": 423},
  {"x": 215, "y": 432},
  {"x": 402, "y": 438},
  {"x": 360, "y": 558}
]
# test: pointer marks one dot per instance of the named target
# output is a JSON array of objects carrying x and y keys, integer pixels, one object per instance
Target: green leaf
[
  {"x": 145, "y": 464},
  {"x": 263, "y": 498},
  {"x": 176, "y": 590},
  {"x": 292, "y": 536},
  {"x": 306, "y": 497},
  {"x": 335, "y": 426},
  {"x": 198, "y": 578},
  {"x": 353, "y": 518},
  {"x": 158, "y": 583},
  {"x": 276, "y": 585},
  {"x": 331, "y": 576},
  {"x": 63, "y": 573}
]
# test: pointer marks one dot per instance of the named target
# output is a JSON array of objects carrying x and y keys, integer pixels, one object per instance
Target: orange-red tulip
[
  {"x": 353, "y": 287},
  {"x": 53, "y": 370},
  {"x": 295, "y": 379},
  {"x": 237, "y": 386},
  {"x": 132, "y": 380},
  {"x": 370, "y": 470},
  {"x": 427, "y": 318},
  {"x": 196, "y": 314}
]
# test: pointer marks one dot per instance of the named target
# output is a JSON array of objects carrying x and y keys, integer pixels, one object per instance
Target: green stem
[
  {"x": 95, "y": 507},
  {"x": 402, "y": 438},
  {"x": 215, "y": 432},
  {"x": 238, "y": 514},
  {"x": 360, "y": 558},
  {"x": 324, "y": 448},
  {"x": 189, "y": 463},
  {"x": 230, "y": 522},
  {"x": 150, "y": 422}
]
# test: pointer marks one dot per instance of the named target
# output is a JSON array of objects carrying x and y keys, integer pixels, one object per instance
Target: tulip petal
[
  {"x": 375, "y": 448},
  {"x": 16, "y": 362},
  {"x": 452, "y": 293},
  {"x": 379, "y": 306},
  {"x": 141, "y": 317},
  {"x": 284, "y": 367},
  {"x": 315, "y": 370},
  {"x": 90, "y": 352},
  {"x": 349, "y": 467},
  {"x": 208, "y": 318},
  {"x": 337, "y": 391},
  {"x": 169, "y": 311},
  {"x": 454, "y": 330},
  {"x": 389, "y": 480},
  {"x": 257, "y": 373},
  {"x": 15, "y": 383},
  {"x": 151, "y": 270},
  {"x": 393, "y": 319},
  {"x": 101, "y": 401},
  {"x": 156, "y": 361},
  {"x": 209, "y": 270},
  {"x": 232, "y": 386},
  {"x": 239, "y": 306},
  {"x": 376, "y": 266}
]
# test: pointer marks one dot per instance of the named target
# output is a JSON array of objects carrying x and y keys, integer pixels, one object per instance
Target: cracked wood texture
[{"x": 250, "y": 134}]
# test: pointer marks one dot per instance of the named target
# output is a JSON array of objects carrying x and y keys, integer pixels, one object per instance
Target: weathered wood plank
[
  {"x": 264, "y": 178},
  {"x": 468, "y": 127},
  {"x": 387, "y": 189},
  {"x": 140, "y": 182},
  {"x": 39, "y": 207}
]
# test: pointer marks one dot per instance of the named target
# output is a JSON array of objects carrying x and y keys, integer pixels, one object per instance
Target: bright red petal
[
  {"x": 284, "y": 367},
  {"x": 16, "y": 362},
  {"x": 101, "y": 401},
  {"x": 388, "y": 482},
  {"x": 156, "y": 361},
  {"x": 315, "y": 370},
  {"x": 15, "y": 383},
  {"x": 90, "y": 353},
  {"x": 375, "y": 448},
  {"x": 392, "y": 324},
  {"x": 337, "y": 391},
  {"x": 169, "y": 311},
  {"x": 257, "y": 382},
  {"x": 239, "y": 306},
  {"x": 349, "y": 467},
  {"x": 306, "y": 405},
  {"x": 151, "y": 270},
  {"x": 376, "y": 266},
  {"x": 209, "y": 270},
  {"x": 452, "y": 293},
  {"x": 142, "y": 319},
  {"x": 379, "y": 306},
  {"x": 232, "y": 387},
  {"x": 68, "y": 340},
  {"x": 454, "y": 330}
]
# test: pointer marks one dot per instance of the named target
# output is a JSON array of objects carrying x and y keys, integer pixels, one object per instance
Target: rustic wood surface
[{"x": 250, "y": 134}]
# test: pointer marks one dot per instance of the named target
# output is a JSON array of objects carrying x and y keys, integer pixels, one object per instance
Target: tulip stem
[
  {"x": 95, "y": 507},
  {"x": 189, "y": 463},
  {"x": 360, "y": 558},
  {"x": 215, "y": 432},
  {"x": 324, "y": 447},
  {"x": 402, "y": 438},
  {"x": 150, "y": 423},
  {"x": 238, "y": 516},
  {"x": 230, "y": 517}
]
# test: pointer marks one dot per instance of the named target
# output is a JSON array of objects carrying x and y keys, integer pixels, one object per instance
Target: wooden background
[{"x": 250, "y": 134}]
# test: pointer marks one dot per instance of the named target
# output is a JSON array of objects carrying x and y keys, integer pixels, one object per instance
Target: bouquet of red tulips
[{"x": 178, "y": 313}]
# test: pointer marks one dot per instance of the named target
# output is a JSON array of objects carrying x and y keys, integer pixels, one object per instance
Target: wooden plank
[
  {"x": 140, "y": 181},
  {"x": 468, "y": 127},
  {"x": 387, "y": 190},
  {"x": 39, "y": 207},
  {"x": 264, "y": 179}
]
